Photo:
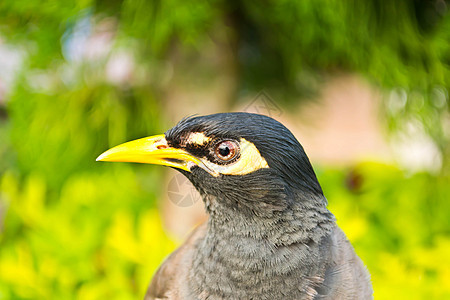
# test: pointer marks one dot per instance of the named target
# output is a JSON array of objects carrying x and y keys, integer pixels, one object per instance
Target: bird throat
[{"x": 244, "y": 256}]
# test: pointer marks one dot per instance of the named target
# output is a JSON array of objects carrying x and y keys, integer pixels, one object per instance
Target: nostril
[{"x": 159, "y": 147}]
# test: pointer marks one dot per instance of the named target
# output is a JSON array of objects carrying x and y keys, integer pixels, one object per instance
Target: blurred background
[{"x": 362, "y": 84}]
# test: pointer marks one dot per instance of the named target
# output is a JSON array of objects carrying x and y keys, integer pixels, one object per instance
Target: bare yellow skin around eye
[
  {"x": 155, "y": 150},
  {"x": 249, "y": 161}
]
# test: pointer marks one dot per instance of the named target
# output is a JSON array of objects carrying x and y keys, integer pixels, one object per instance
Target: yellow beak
[{"x": 151, "y": 150}]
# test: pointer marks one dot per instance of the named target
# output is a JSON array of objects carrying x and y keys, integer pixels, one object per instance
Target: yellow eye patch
[
  {"x": 156, "y": 150},
  {"x": 249, "y": 161}
]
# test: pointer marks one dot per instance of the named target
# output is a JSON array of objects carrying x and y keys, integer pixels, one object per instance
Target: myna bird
[{"x": 269, "y": 234}]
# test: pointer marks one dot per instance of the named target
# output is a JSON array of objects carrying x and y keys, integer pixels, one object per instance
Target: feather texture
[{"x": 269, "y": 234}]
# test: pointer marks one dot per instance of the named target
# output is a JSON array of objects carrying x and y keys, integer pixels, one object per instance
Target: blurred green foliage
[
  {"x": 399, "y": 225},
  {"x": 93, "y": 242},
  {"x": 71, "y": 228}
]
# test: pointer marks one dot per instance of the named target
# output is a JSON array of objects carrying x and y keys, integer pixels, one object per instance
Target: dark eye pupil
[{"x": 224, "y": 150}]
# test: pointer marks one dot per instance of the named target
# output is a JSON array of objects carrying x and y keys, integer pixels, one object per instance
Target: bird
[{"x": 269, "y": 233}]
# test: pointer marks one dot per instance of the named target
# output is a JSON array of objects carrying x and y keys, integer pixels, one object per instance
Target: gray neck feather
[{"x": 246, "y": 256}]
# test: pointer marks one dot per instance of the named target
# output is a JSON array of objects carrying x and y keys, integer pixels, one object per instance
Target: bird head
[{"x": 245, "y": 159}]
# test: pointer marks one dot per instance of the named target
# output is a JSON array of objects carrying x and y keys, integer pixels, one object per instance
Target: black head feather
[{"x": 275, "y": 142}]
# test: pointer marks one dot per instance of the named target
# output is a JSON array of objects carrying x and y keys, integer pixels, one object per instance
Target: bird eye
[{"x": 226, "y": 150}]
